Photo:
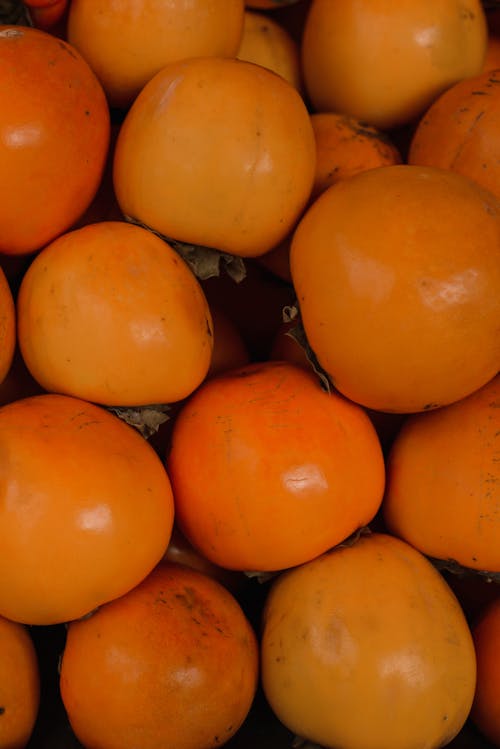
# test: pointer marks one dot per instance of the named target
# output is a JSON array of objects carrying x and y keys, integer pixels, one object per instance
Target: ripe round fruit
[
  {"x": 268, "y": 470},
  {"x": 367, "y": 647},
  {"x": 127, "y": 41},
  {"x": 54, "y": 137},
  {"x": 461, "y": 131},
  {"x": 174, "y": 662},
  {"x": 385, "y": 62},
  {"x": 216, "y": 152},
  {"x": 19, "y": 685},
  {"x": 86, "y": 508},
  {"x": 443, "y": 481},
  {"x": 112, "y": 314},
  {"x": 397, "y": 276}
]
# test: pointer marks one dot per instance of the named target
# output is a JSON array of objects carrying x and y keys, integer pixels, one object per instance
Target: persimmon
[
  {"x": 366, "y": 647},
  {"x": 112, "y": 314},
  {"x": 384, "y": 62},
  {"x": 54, "y": 137},
  {"x": 86, "y": 510},
  {"x": 443, "y": 493},
  {"x": 265, "y": 42},
  {"x": 127, "y": 41},
  {"x": 485, "y": 711},
  {"x": 19, "y": 685},
  {"x": 268, "y": 470},
  {"x": 397, "y": 277},
  {"x": 216, "y": 152},
  {"x": 174, "y": 662},
  {"x": 346, "y": 146},
  {"x": 460, "y": 131}
]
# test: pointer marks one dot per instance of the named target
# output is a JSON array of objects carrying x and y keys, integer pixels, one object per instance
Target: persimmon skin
[
  {"x": 86, "y": 511},
  {"x": 191, "y": 671},
  {"x": 368, "y": 630},
  {"x": 216, "y": 152},
  {"x": 19, "y": 684},
  {"x": 442, "y": 491},
  {"x": 460, "y": 131},
  {"x": 267, "y": 43},
  {"x": 346, "y": 146},
  {"x": 385, "y": 62},
  {"x": 54, "y": 137},
  {"x": 397, "y": 277},
  {"x": 266, "y": 468},
  {"x": 485, "y": 712},
  {"x": 128, "y": 41},
  {"x": 112, "y": 314}
]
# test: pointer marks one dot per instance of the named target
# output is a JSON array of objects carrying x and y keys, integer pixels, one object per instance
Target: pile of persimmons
[{"x": 249, "y": 389}]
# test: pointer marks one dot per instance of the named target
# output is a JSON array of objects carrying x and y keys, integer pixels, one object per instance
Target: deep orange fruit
[
  {"x": 86, "y": 508},
  {"x": 461, "y": 131},
  {"x": 268, "y": 470},
  {"x": 443, "y": 481},
  {"x": 174, "y": 662},
  {"x": 54, "y": 137},
  {"x": 112, "y": 314},
  {"x": 397, "y": 276}
]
